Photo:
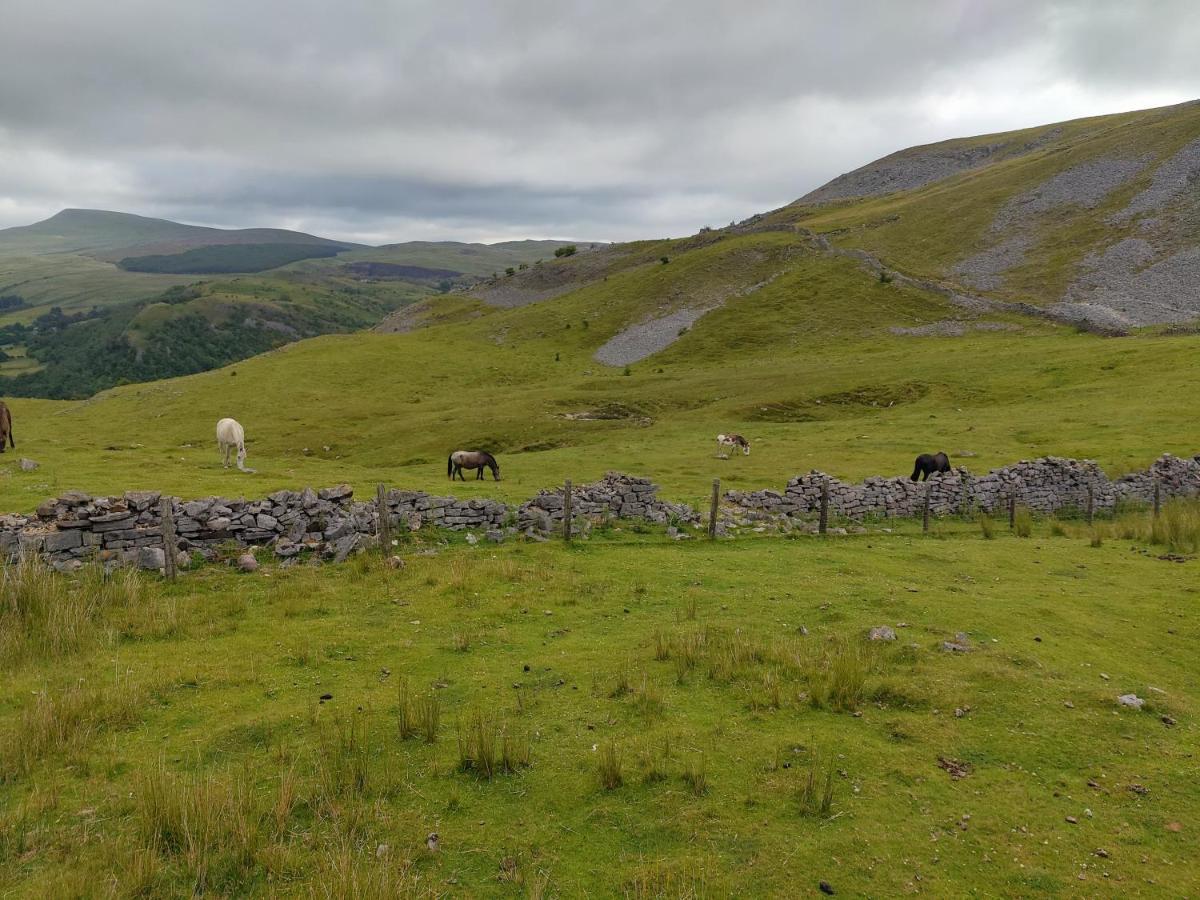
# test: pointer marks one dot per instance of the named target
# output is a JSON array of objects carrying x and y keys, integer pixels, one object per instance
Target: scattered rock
[
  {"x": 1167, "y": 720},
  {"x": 247, "y": 563},
  {"x": 495, "y": 535},
  {"x": 1174, "y": 826},
  {"x": 431, "y": 842},
  {"x": 381, "y": 851},
  {"x": 826, "y": 888},
  {"x": 883, "y": 633},
  {"x": 1133, "y": 701},
  {"x": 395, "y": 562},
  {"x": 27, "y": 465},
  {"x": 960, "y": 644},
  {"x": 471, "y": 539},
  {"x": 1100, "y": 852},
  {"x": 1140, "y": 789},
  {"x": 956, "y": 768},
  {"x": 325, "y": 697},
  {"x": 1071, "y": 820}
]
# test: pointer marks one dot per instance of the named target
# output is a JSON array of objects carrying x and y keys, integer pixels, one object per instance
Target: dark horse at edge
[
  {"x": 6, "y": 428},
  {"x": 472, "y": 459},
  {"x": 929, "y": 463}
]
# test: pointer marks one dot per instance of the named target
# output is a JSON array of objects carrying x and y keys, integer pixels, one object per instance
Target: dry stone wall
[
  {"x": 127, "y": 530},
  {"x": 1045, "y": 485}
]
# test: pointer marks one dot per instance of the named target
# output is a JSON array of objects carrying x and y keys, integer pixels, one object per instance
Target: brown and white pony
[
  {"x": 6, "y": 431},
  {"x": 472, "y": 459},
  {"x": 733, "y": 442}
]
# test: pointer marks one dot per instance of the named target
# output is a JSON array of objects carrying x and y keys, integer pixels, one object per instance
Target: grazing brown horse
[
  {"x": 472, "y": 459},
  {"x": 929, "y": 463},
  {"x": 6, "y": 427}
]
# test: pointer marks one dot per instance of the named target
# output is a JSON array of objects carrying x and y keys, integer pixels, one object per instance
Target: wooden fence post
[
  {"x": 383, "y": 519},
  {"x": 170, "y": 548},
  {"x": 712, "y": 512},
  {"x": 823, "y": 522},
  {"x": 925, "y": 507},
  {"x": 1012, "y": 509},
  {"x": 567, "y": 512},
  {"x": 1091, "y": 506},
  {"x": 1157, "y": 498}
]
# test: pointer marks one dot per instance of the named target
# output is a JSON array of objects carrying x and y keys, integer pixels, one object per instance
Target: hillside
[
  {"x": 94, "y": 298},
  {"x": 1092, "y": 221}
]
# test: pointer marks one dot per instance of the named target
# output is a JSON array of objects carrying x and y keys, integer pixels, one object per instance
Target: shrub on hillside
[{"x": 566, "y": 250}]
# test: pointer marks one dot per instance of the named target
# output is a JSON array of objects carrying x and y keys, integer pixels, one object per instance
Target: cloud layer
[{"x": 380, "y": 121}]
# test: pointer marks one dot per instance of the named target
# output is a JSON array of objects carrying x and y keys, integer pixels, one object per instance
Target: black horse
[
  {"x": 929, "y": 463},
  {"x": 472, "y": 459}
]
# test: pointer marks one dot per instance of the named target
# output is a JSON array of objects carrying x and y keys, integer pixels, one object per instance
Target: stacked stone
[
  {"x": 1176, "y": 478},
  {"x": 128, "y": 529},
  {"x": 415, "y": 509},
  {"x": 616, "y": 495},
  {"x": 1046, "y": 485}
]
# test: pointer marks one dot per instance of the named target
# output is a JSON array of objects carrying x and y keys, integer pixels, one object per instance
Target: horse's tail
[{"x": 450, "y": 466}]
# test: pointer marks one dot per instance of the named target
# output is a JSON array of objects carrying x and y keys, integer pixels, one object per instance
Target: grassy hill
[
  {"x": 1093, "y": 220},
  {"x": 102, "y": 298}
]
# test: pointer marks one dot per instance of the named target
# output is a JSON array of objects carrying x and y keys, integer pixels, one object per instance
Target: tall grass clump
[
  {"x": 488, "y": 748},
  {"x": 417, "y": 715},
  {"x": 608, "y": 766},
  {"x": 56, "y": 721},
  {"x": 1023, "y": 522},
  {"x": 342, "y": 764},
  {"x": 46, "y": 614},
  {"x": 815, "y": 795},
  {"x": 987, "y": 527},
  {"x": 1178, "y": 526},
  {"x": 695, "y": 774},
  {"x": 211, "y": 826},
  {"x": 840, "y": 679}
]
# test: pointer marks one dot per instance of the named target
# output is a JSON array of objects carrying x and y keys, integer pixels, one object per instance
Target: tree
[{"x": 566, "y": 250}]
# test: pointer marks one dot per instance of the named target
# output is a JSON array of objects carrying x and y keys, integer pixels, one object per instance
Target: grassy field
[
  {"x": 365, "y": 408},
  {"x": 629, "y": 716}
]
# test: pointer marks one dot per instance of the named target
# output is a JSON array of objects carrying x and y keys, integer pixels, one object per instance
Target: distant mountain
[{"x": 112, "y": 236}]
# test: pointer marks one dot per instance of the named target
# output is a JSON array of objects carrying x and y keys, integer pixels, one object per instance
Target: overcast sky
[{"x": 394, "y": 120}]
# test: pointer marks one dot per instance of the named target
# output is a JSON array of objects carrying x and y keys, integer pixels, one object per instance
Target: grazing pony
[
  {"x": 231, "y": 436},
  {"x": 733, "y": 442},
  {"x": 928, "y": 463},
  {"x": 472, "y": 459},
  {"x": 6, "y": 427}
]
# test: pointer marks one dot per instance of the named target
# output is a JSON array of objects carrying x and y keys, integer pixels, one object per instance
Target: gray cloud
[{"x": 386, "y": 121}]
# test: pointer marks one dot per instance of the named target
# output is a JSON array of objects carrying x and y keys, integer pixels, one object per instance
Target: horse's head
[{"x": 495, "y": 469}]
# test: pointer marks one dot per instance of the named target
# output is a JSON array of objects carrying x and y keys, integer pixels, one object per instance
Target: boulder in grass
[
  {"x": 883, "y": 633},
  {"x": 247, "y": 563},
  {"x": 27, "y": 465}
]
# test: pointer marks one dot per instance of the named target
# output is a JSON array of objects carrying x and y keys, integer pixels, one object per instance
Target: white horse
[
  {"x": 231, "y": 436},
  {"x": 733, "y": 442}
]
